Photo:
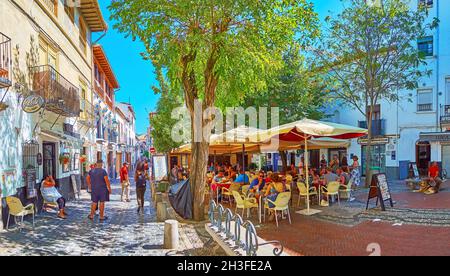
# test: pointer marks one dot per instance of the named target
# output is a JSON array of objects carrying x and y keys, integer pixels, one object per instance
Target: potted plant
[
  {"x": 64, "y": 159},
  {"x": 83, "y": 159}
]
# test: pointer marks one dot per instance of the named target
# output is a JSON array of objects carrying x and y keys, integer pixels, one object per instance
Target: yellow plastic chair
[
  {"x": 229, "y": 192},
  {"x": 245, "y": 189},
  {"x": 280, "y": 204},
  {"x": 347, "y": 192},
  {"x": 16, "y": 209},
  {"x": 302, "y": 192},
  {"x": 332, "y": 190},
  {"x": 244, "y": 202}
]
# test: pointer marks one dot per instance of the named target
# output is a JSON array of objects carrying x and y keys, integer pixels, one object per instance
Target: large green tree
[
  {"x": 163, "y": 122},
  {"x": 369, "y": 52},
  {"x": 294, "y": 90},
  {"x": 216, "y": 51}
]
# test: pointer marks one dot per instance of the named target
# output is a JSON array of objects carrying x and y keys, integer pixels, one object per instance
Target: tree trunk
[
  {"x": 200, "y": 152},
  {"x": 369, "y": 147},
  {"x": 283, "y": 156}
]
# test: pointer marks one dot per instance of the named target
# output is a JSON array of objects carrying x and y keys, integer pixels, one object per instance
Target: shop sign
[
  {"x": 437, "y": 137},
  {"x": 375, "y": 141},
  {"x": 33, "y": 103}
]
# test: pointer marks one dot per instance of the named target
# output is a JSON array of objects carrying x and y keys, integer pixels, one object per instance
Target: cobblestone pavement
[{"x": 124, "y": 233}]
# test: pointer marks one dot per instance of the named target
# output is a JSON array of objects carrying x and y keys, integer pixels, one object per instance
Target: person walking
[
  {"x": 98, "y": 183},
  {"x": 125, "y": 182},
  {"x": 141, "y": 185}
]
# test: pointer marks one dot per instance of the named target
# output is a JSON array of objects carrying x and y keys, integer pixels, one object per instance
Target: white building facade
[{"x": 414, "y": 129}]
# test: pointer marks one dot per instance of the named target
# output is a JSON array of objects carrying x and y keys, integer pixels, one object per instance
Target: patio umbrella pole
[
  {"x": 307, "y": 173},
  {"x": 308, "y": 211}
]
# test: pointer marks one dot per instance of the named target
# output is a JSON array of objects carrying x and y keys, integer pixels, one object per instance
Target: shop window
[
  {"x": 425, "y": 46},
  {"x": 423, "y": 156},
  {"x": 426, "y": 3},
  {"x": 424, "y": 100}
]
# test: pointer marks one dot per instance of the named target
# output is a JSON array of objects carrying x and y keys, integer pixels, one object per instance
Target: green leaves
[
  {"x": 248, "y": 38},
  {"x": 370, "y": 52}
]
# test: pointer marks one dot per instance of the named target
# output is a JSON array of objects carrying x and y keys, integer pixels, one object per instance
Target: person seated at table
[
  {"x": 328, "y": 177},
  {"x": 433, "y": 174},
  {"x": 269, "y": 177},
  {"x": 219, "y": 177},
  {"x": 258, "y": 183},
  {"x": 344, "y": 178},
  {"x": 315, "y": 179},
  {"x": 273, "y": 189},
  {"x": 334, "y": 164},
  {"x": 51, "y": 194},
  {"x": 232, "y": 173},
  {"x": 242, "y": 178}
]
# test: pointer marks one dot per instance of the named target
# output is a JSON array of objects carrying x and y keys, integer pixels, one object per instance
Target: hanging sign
[
  {"x": 32, "y": 103},
  {"x": 379, "y": 189}
]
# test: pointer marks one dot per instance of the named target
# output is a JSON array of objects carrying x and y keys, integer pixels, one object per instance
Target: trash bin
[{"x": 162, "y": 187}]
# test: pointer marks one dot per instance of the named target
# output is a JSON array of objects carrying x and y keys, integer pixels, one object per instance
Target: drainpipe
[
  {"x": 437, "y": 80},
  {"x": 437, "y": 69}
]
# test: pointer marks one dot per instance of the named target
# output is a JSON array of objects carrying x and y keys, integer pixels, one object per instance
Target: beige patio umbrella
[{"x": 304, "y": 130}]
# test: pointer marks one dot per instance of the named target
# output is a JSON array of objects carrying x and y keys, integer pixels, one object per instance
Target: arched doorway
[{"x": 423, "y": 156}]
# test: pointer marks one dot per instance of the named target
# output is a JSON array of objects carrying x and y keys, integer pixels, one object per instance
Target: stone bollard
[
  {"x": 171, "y": 234},
  {"x": 161, "y": 211}
]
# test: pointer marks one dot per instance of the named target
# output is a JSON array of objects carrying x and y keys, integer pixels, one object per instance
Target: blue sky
[{"x": 136, "y": 76}]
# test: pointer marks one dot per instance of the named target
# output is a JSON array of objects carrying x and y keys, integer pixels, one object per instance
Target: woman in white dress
[
  {"x": 355, "y": 171},
  {"x": 51, "y": 194}
]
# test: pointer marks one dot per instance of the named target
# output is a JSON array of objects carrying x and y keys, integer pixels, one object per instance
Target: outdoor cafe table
[{"x": 217, "y": 186}]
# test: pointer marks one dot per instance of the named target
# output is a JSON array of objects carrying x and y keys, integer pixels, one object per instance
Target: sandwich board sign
[
  {"x": 379, "y": 189},
  {"x": 160, "y": 170}
]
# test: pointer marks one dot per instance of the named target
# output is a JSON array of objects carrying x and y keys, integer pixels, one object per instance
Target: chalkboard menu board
[
  {"x": 415, "y": 170},
  {"x": 75, "y": 186},
  {"x": 30, "y": 183},
  {"x": 379, "y": 189}
]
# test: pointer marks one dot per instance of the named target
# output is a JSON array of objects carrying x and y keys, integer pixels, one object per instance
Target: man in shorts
[{"x": 100, "y": 186}]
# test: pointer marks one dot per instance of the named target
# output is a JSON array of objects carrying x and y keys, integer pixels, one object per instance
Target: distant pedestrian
[
  {"x": 174, "y": 174},
  {"x": 355, "y": 171},
  {"x": 100, "y": 186},
  {"x": 141, "y": 185},
  {"x": 125, "y": 183}
]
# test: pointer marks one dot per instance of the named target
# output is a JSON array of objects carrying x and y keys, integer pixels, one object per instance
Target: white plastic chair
[
  {"x": 332, "y": 190},
  {"x": 244, "y": 202},
  {"x": 280, "y": 204},
  {"x": 302, "y": 192}
]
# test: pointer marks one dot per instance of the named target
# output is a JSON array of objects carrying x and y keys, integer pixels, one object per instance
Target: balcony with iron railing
[
  {"x": 5, "y": 61},
  {"x": 424, "y": 107},
  {"x": 378, "y": 127},
  {"x": 445, "y": 116},
  {"x": 99, "y": 89},
  {"x": 109, "y": 101},
  {"x": 87, "y": 115},
  {"x": 60, "y": 95}
]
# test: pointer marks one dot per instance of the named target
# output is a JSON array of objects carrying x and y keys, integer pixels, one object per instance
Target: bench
[{"x": 236, "y": 237}]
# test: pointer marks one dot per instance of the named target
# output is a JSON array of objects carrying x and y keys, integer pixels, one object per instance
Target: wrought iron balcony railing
[
  {"x": 445, "y": 115},
  {"x": 378, "y": 127},
  {"x": 87, "y": 116},
  {"x": 99, "y": 89},
  {"x": 424, "y": 107},
  {"x": 60, "y": 95},
  {"x": 5, "y": 61}
]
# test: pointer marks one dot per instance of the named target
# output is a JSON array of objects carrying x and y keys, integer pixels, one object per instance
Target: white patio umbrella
[{"x": 304, "y": 130}]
